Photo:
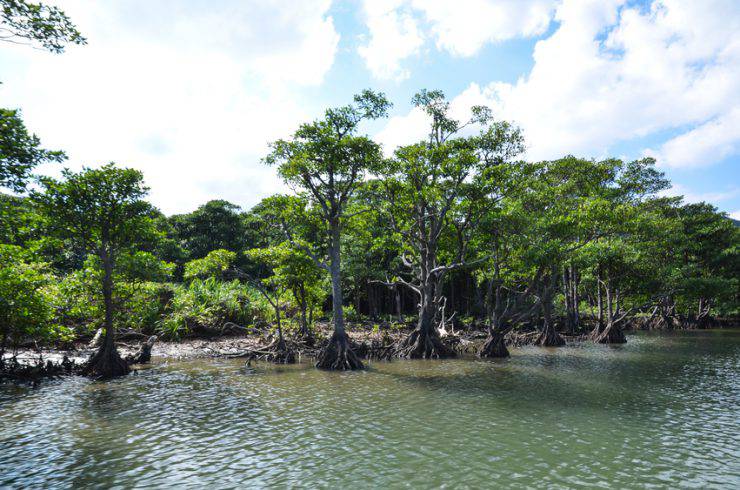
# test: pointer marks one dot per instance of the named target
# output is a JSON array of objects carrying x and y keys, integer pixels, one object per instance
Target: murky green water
[{"x": 661, "y": 411}]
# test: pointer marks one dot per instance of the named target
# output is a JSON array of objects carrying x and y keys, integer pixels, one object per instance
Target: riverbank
[{"x": 371, "y": 341}]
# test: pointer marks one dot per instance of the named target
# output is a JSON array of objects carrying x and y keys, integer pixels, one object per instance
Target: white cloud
[
  {"x": 703, "y": 145},
  {"x": 735, "y": 215},
  {"x": 192, "y": 101},
  {"x": 394, "y": 36},
  {"x": 690, "y": 196},
  {"x": 464, "y": 26},
  {"x": 613, "y": 72},
  {"x": 399, "y": 28}
]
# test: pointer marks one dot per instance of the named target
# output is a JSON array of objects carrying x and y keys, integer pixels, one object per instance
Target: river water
[{"x": 661, "y": 411}]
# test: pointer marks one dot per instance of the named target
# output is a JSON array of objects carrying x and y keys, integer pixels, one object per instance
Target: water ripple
[{"x": 660, "y": 412}]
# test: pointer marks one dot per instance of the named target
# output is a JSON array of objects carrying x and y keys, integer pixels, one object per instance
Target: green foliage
[
  {"x": 101, "y": 209},
  {"x": 211, "y": 303},
  {"x": 140, "y": 266},
  {"x": 20, "y": 151},
  {"x": 26, "y": 309},
  {"x": 213, "y": 265},
  {"x": 454, "y": 219},
  {"x": 25, "y": 22},
  {"x": 213, "y": 226}
]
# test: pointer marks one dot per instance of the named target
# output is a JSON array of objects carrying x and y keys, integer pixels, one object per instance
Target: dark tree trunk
[
  {"x": 568, "y": 300},
  {"x": 304, "y": 331},
  {"x": 549, "y": 336},
  {"x": 107, "y": 362},
  {"x": 399, "y": 307},
  {"x": 337, "y": 354},
  {"x": 610, "y": 333},
  {"x": 494, "y": 346},
  {"x": 372, "y": 302},
  {"x": 279, "y": 352},
  {"x": 599, "y": 301},
  {"x": 424, "y": 342},
  {"x": 574, "y": 278}
]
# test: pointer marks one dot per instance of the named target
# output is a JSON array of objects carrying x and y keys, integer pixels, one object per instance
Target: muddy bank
[{"x": 370, "y": 341}]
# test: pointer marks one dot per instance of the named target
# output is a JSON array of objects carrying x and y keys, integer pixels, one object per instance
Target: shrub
[
  {"x": 210, "y": 303},
  {"x": 25, "y": 301},
  {"x": 213, "y": 265}
]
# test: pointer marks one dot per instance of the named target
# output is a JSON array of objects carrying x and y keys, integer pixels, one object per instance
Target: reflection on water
[{"x": 662, "y": 410}]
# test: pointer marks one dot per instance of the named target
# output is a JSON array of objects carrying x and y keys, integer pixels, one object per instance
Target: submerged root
[
  {"x": 422, "y": 344},
  {"x": 106, "y": 363},
  {"x": 550, "y": 338},
  {"x": 494, "y": 346},
  {"x": 337, "y": 355}
]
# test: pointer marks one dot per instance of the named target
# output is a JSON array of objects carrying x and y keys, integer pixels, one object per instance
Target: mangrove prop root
[
  {"x": 281, "y": 353},
  {"x": 337, "y": 355},
  {"x": 422, "y": 344},
  {"x": 278, "y": 352},
  {"x": 144, "y": 354},
  {"x": 550, "y": 338},
  {"x": 610, "y": 335},
  {"x": 106, "y": 363},
  {"x": 494, "y": 346},
  {"x": 12, "y": 370}
]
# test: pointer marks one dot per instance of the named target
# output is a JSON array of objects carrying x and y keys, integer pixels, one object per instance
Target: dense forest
[{"x": 451, "y": 236}]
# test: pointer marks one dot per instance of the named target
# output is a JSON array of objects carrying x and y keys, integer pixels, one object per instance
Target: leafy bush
[
  {"x": 351, "y": 314},
  {"x": 212, "y": 265},
  {"x": 25, "y": 301},
  {"x": 210, "y": 303}
]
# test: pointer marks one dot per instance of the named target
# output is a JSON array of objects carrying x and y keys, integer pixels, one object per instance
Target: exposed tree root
[
  {"x": 306, "y": 337},
  {"x": 550, "y": 338},
  {"x": 278, "y": 352},
  {"x": 337, "y": 355},
  {"x": 612, "y": 334},
  {"x": 106, "y": 363},
  {"x": 144, "y": 354},
  {"x": 12, "y": 370},
  {"x": 494, "y": 346},
  {"x": 424, "y": 344}
]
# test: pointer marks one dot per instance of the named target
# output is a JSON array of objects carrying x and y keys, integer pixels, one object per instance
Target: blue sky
[{"x": 191, "y": 92}]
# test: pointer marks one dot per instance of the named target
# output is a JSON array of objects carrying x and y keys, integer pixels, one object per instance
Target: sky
[{"x": 191, "y": 92}]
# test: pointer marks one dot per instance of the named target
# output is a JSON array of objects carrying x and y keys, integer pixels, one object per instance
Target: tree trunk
[
  {"x": 495, "y": 346},
  {"x": 372, "y": 302},
  {"x": 567, "y": 300},
  {"x": 399, "y": 309},
  {"x": 599, "y": 301},
  {"x": 337, "y": 354},
  {"x": 424, "y": 342},
  {"x": 106, "y": 362},
  {"x": 610, "y": 333},
  {"x": 549, "y": 336},
  {"x": 574, "y": 278},
  {"x": 304, "y": 332},
  {"x": 279, "y": 351}
]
